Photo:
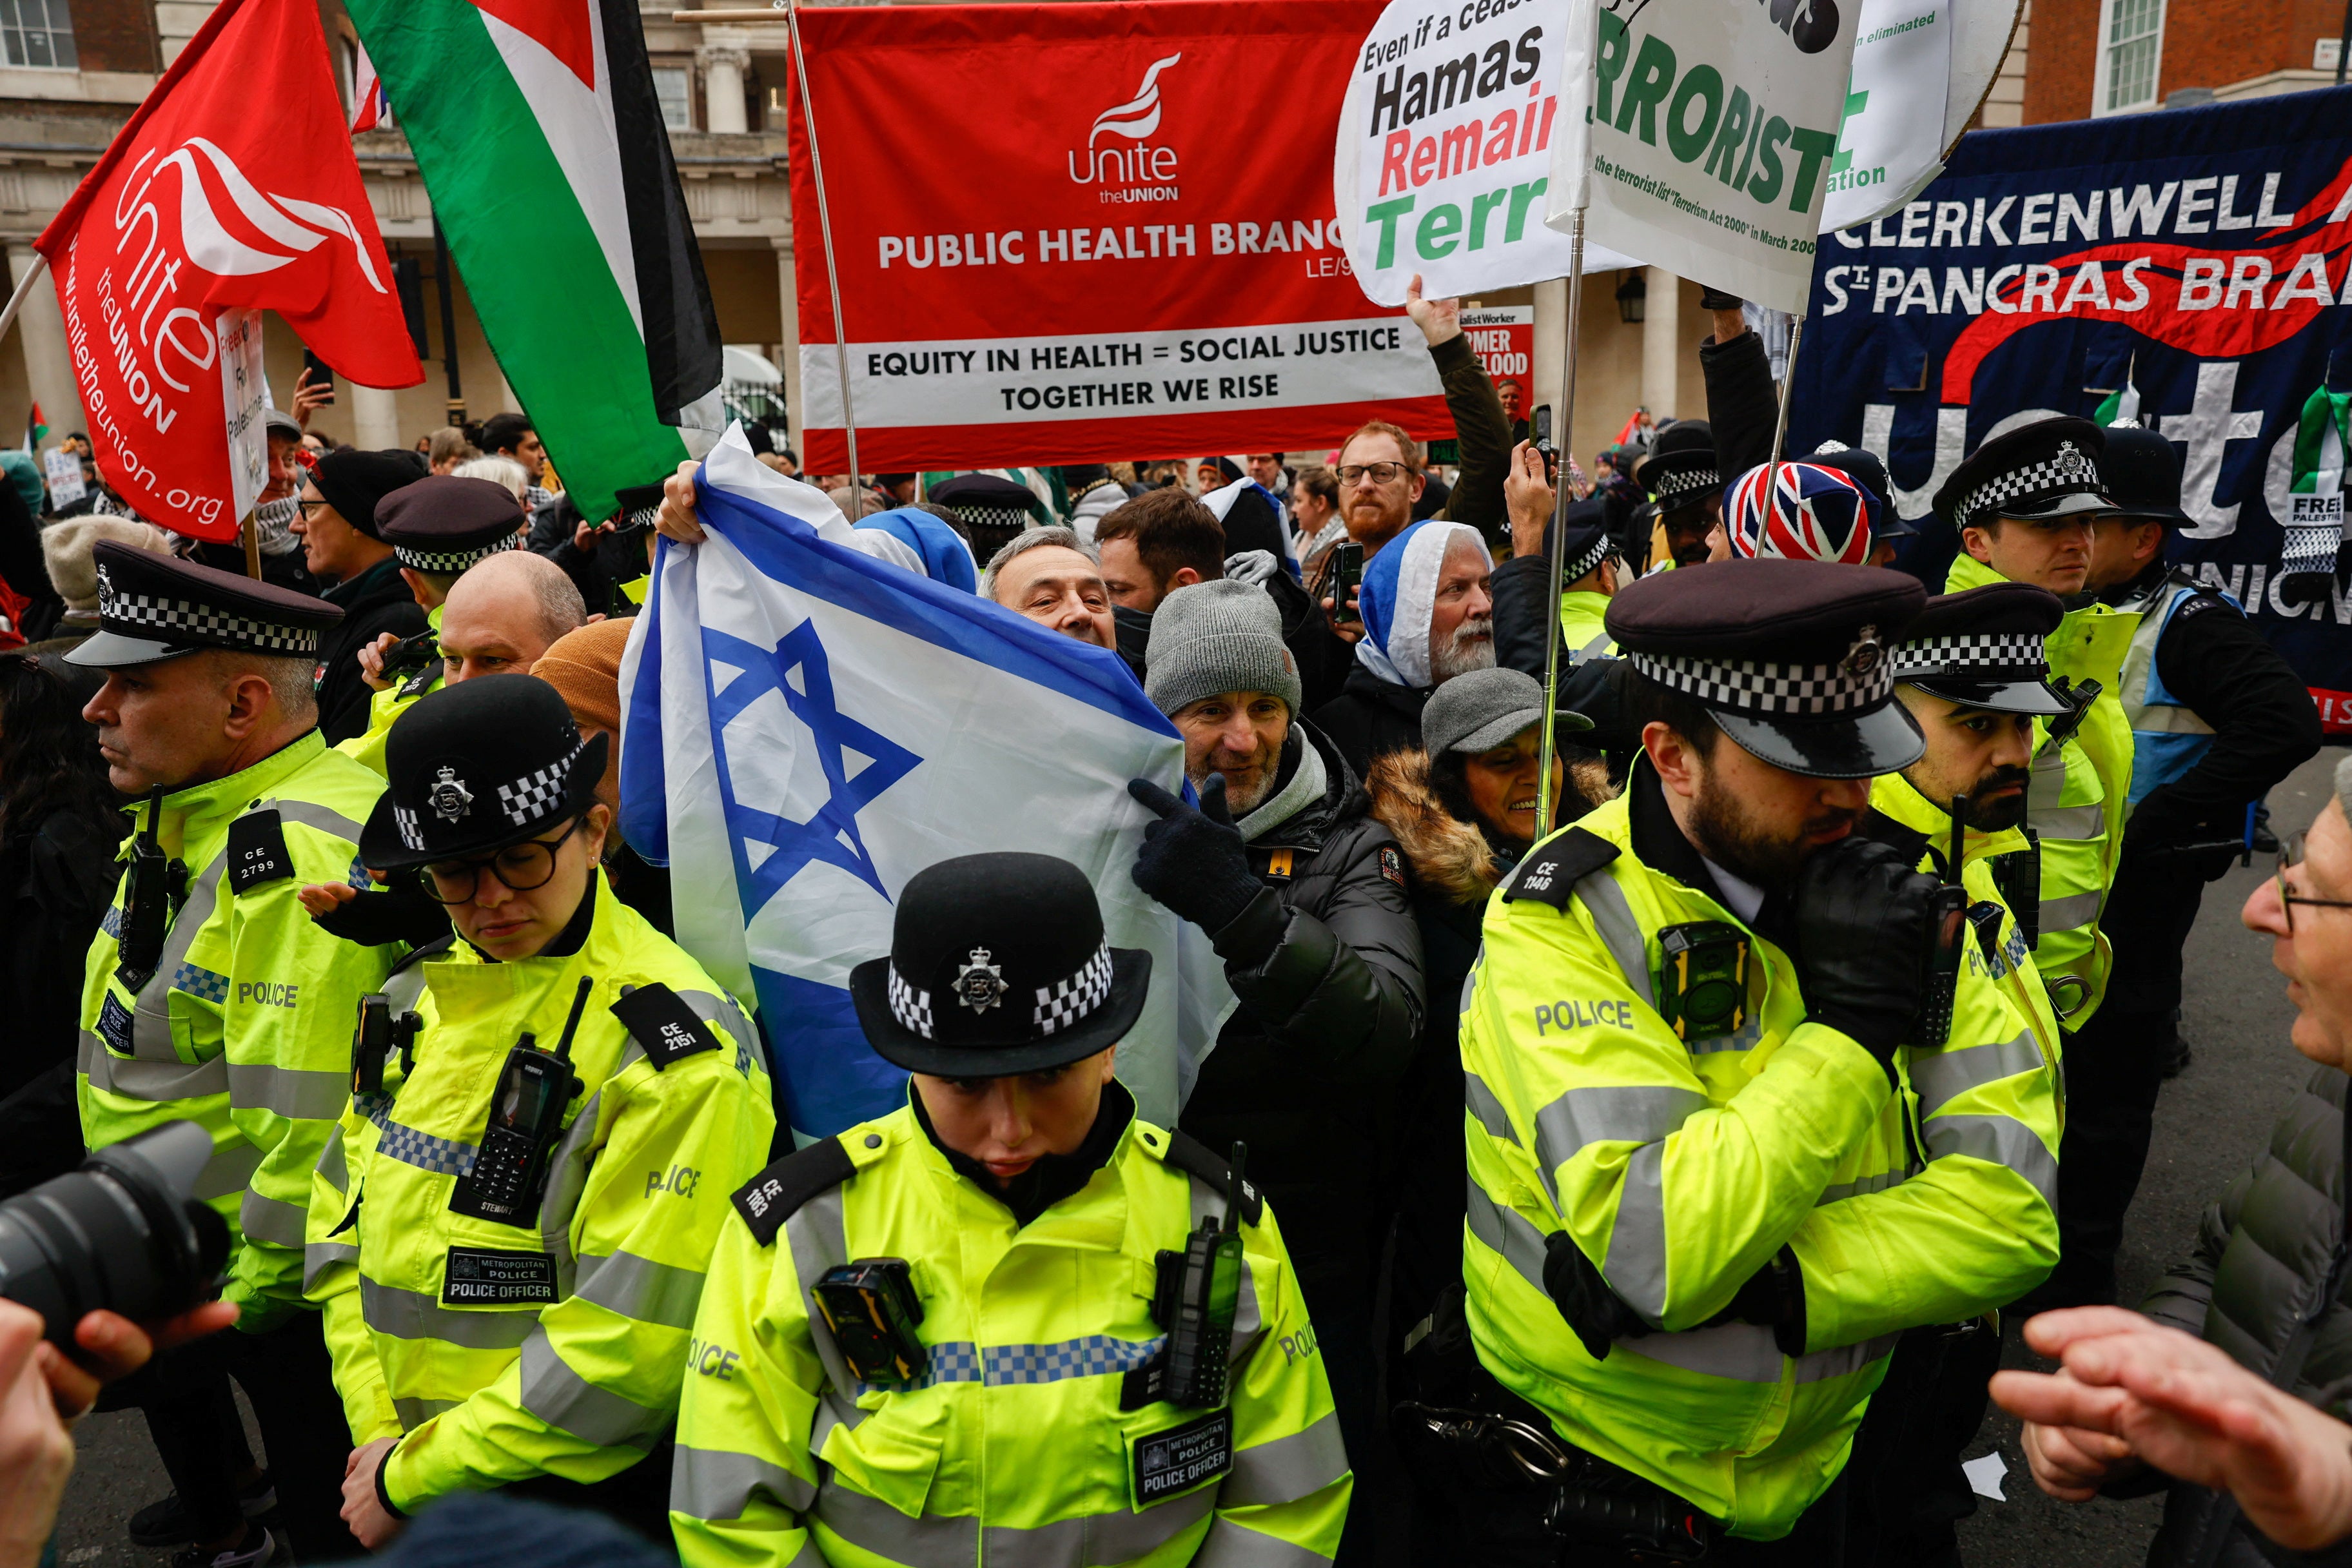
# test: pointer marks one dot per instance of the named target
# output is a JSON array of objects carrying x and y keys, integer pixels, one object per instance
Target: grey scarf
[{"x": 1308, "y": 783}]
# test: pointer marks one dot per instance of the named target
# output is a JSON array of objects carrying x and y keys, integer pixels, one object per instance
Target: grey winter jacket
[{"x": 2264, "y": 1253}]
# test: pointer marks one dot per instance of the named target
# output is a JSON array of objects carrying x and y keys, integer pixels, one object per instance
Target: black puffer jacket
[
  {"x": 1371, "y": 718},
  {"x": 2263, "y": 1253}
]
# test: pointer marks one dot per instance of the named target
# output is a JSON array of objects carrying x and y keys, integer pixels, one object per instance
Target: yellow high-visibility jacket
[
  {"x": 499, "y": 1352},
  {"x": 389, "y": 704},
  {"x": 1582, "y": 632},
  {"x": 1014, "y": 1436},
  {"x": 1681, "y": 1168},
  {"x": 246, "y": 1026}
]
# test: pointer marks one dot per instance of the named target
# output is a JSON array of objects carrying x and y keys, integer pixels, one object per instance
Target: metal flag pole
[
  {"x": 24, "y": 291},
  {"x": 1780, "y": 421},
  {"x": 825, "y": 230},
  {"x": 1559, "y": 551}
]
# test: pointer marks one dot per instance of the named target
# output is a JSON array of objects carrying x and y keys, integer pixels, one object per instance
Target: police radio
[
  {"x": 410, "y": 655},
  {"x": 156, "y": 887},
  {"x": 2079, "y": 696},
  {"x": 1198, "y": 1317},
  {"x": 378, "y": 1035},
  {"x": 1948, "y": 935},
  {"x": 510, "y": 1174}
]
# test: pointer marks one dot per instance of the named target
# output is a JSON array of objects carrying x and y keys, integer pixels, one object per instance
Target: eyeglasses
[
  {"x": 1380, "y": 473},
  {"x": 312, "y": 508},
  {"x": 2290, "y": 855},
  {"x": 522, "y": 868}
]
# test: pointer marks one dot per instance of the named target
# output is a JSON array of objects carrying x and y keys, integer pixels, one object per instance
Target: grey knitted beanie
[{"x": 1210, "y": 637}]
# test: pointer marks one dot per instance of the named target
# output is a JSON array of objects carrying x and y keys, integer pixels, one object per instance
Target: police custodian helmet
[{"x": 476, "y": 766}]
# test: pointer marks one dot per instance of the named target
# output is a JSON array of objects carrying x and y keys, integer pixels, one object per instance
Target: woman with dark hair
[{"x": 60, "y": 824}]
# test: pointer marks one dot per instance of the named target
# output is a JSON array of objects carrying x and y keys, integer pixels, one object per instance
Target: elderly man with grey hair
[
  {"x": 1053, "y": 577},
  {"x": 2230, "y": 1394}
]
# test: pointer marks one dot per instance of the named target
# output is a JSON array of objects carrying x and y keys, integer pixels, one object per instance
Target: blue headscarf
[
  {"x": 945, "y": 556},
  {"x": 1398, "y": 594}
]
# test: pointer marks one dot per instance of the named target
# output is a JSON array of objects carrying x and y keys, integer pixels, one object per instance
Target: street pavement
[{"x": 2212, "y": 1123}]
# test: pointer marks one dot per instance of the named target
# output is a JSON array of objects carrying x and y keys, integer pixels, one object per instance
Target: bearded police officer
[
  {"x": 1011, "y": 1323},
  {"x": 1696, "y": 1051},
  {"x": 211, "y": 997},
  {"x": 510, "y": 1227}
]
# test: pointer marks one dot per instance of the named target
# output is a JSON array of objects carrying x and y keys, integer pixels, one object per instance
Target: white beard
[{"x": 1472, "y": 646}]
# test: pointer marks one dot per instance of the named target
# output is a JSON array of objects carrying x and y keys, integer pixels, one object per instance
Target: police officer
[
  {"x": 2217, "y": 718},
  {"x": 1972, "y": 672},
  {"x": 510, "y": 1229},
  {"x": 211, "y": 997},
  {"x": 1014, "y": 1313},
  {"x": 438, "y": 527},
  {"x": 1696, "y": 1052},
  {"x": 1685, "y": 483}
]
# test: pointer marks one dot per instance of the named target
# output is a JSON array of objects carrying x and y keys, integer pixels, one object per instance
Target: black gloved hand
[
  {"x": 1595, "y": 1314},
  {"x": 398, "y": 912},
  {"x": 1712, "y": 298},
  {"x": 1863, "y": 919},
  {"x": 1194, "y": 861}
]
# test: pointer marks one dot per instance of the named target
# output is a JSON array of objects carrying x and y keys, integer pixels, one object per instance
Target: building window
[
  {"x": 2131, "y": 48},
  {"x": 674, "y": 85},
  {"x": 38, "y": 33}
]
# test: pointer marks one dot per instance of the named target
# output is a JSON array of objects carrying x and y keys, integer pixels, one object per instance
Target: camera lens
[{"x": 123, "y": 1234}]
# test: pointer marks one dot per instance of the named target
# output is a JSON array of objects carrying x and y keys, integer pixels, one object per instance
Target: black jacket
[
  {"x": 1742, "y": 406},
  {"x": 1595, "y": 689},
  {"x": 2263, "y": 1253},
  {"x": 1484, "y": 442},
  {"x": 56, "y": 878},
  {"x": 375, "y": 602},
  {"x": 1371, "y": 717},
  {"x": 1327, "y": 963}
]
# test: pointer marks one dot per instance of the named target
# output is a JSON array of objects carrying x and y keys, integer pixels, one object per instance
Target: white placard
[
  {"x": 64, "y": 472},
  {"x": 1891, "y": 143}
]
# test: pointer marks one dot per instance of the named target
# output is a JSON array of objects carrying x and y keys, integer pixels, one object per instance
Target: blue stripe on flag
[
  {"x": 645, "y": 790},
  {"x": 827, "y": 1076}
]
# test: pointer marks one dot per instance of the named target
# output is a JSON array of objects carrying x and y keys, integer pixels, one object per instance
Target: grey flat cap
[{"x": 1480, "y": 710}]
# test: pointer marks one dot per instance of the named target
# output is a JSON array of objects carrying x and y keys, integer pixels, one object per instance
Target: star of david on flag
[{"x": 806, "y": 727}]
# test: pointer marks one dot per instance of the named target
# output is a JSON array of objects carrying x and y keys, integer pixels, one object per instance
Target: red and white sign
[
  {"x": 1119, "y": 244},
  {"x": 1504, "y": 338},
  {"x": 202, "y": 213}
]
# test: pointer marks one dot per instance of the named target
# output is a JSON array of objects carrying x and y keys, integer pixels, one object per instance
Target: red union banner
[
  {"x": 1119, "y": 243},
  {"x": 168, "y": 247}
]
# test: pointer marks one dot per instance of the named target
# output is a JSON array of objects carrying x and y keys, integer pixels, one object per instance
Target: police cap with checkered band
[
  {"x": 2037, "y": 472},
  {"x": 1789, "y": 658},
  {"x": 1985, "y": 648},
  {"x": 444, "y": 523},
  {"x": 153, "y": 607},
  {"x": 1681, "y": 468},
  {"x": 997, "y": 966},
  {"x": 476, "y": 766}
]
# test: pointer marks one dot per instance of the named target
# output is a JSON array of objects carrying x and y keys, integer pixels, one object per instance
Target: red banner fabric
[
  {"x": 1073, "y": 233},
  {"x": 203, "y": 208}
]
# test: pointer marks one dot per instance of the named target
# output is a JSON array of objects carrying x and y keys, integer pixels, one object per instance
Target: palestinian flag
[
  {"x": 2121, "y": 406},
  {"x": 535, "y": 125},
  {"x": 36, "y": 427}
]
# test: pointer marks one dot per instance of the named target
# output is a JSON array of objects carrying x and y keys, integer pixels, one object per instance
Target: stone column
[
  {"x": 723, "y": 70},
  {"x": 789, "y": 300},
  {"x": 1551, "y": 354},
  {"x": 375, "y": 417},
  {"x": 1662, "y": 343},
  {"x": 41, "y": 329}
]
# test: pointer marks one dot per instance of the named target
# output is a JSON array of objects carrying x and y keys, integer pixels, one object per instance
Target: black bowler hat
[
  {"x": 444, "y": 523},
  {"x": 998, "y": 966},
  {"x": 1789, "y": 657},
  {"x": 153, "y": 607},
  {"x": 2143, "y": 474},
  {"x": 2048, "y": 468},
  {"x": 1680, "y": 468},
  {"x": 1986, "y": 647},
  {"x": 1588, "y": 544},
  {"x": 476, "y": 766}
]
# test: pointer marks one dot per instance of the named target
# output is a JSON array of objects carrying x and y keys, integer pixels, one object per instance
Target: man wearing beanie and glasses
[
  {"x": 1304, "y": 896},
  {"x": 509, "y": 1228},
  {"x": 1011, "y": 1322},
  {"x": 336, "y": 520}
]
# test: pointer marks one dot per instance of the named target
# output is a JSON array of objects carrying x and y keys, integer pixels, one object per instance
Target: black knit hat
[
  {"x": 354, "y": 481},
  {"x": 998, "y": 966},
  {"x": 476, "y": 766}
]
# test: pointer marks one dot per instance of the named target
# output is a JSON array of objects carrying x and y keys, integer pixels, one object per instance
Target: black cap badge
[
  {"x": 979, "y": 984},
  {"x": 2073, "y": 467},
  {"x": 1861, "y": 661},
  {"x": 449, "y": 798}
]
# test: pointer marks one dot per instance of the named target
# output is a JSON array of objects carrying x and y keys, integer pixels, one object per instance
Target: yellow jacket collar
[
  {"x": 1892, "y": 796},
  {"x": 195, "y": 814}
]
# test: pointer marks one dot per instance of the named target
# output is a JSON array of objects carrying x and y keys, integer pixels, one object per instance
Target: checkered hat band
[
  {"x": 452, "y": 560},
  {"x": 1674, "y": 485},
  {"x": 1959, "y": 655},
  {"x": 178, "y": 620},
  {"x": 983, "y": 516},
  {"x": 529, "y": 798},
  {"x": 1602, "y": 548},
  {"x": 1068, "y": 1002},
  {"x": 410, "y": 832},
  {"x": 2071, "y": 473},
  {"x": 1795, "y": 690},
  {"x": 911, "y": 1007}
]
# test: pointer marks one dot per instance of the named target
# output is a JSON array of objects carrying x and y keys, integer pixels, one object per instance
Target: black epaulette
[
  {"x": 776, "y": 1193},
  {"x": 1551, "y": 872},
  {"x": 418, "y": 684},
  {"x": 415, "y": 955},
  {"x": 658, "y": 1019},
  {"x": 1194, "y": 1158},
  {"x": 256, "y": 850}
]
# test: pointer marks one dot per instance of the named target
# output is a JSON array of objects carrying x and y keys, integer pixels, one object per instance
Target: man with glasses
[
  {"x": 335, "y": 518},
  {"x": 546, "y": 1121},
  {"x": 211, "y": 997}
]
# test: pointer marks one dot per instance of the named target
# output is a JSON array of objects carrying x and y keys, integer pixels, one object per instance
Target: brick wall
[
  {"x": 2059, "y": 72},
  {"x": 2207, "y": 42},
  {"x": 115, "y": 34}
]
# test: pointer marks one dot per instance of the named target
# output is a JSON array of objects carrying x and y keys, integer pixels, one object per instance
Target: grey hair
[
  {"x": 293, "y": 681},
  {"x": 1033, "y": 539},
  {"x": 502, "y": 471}
]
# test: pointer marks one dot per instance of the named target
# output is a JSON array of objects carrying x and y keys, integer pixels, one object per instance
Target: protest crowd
[{"x": 1388, "y": 1004}]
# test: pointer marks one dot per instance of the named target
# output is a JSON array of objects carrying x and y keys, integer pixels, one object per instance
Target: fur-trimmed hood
[{"x": 1450, "y": 857}]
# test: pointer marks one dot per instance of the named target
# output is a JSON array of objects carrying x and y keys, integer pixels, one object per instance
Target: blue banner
[{"x": 2187, "y": 267}]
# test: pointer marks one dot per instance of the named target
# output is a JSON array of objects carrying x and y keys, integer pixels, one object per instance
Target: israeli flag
[{"x": 806, "y": 727}]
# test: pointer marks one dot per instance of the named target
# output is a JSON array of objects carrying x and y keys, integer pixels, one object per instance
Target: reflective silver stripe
[
  {"x": 2070, "y": 821},
  {"x": 158, "y": 1083},
  {"x": 1510, "y": 1233},
  {"x": 415, "y": 1412},
  {"x": 956, "y": 1540},
  {"x": 1741, "y": 1353},
  {"x": 1604, "y": 901},
  {"x": 414, "y": 1315},
  {"x": 318, "y": 1257},
  {"x": 1596, "y": 648},
  {"x": 1822, "y": 1365},
  {"x": 1941, "y": 1076},
  {"x": 873, "y": 1525},
  {"x": 1750, "y": 1035},
  {"x": 2046, "y": 783},
  {"x": 562, "y": 1398},
  {"x": 302, "y": 1094},
  {"x": 641, "y": 1288},
  {"x": 311, "y": 814},
  {"x": 331, "y": 1160},
  {"x": 1877, "y": 1184},
  {"x": 1287, "y": 1469},
  {"x": 1488, "y": 1109},
  {"x": 1637, "y": 1265},
  {"x": 567, "y": 1180},
  {"x": 230, "y": 1170},
  {"x": 151, "y": 1017},
  {"x": 818, "y": 1240},
  {"x": 271, "y": 1220},
  {"x": 713, "y": 1483},
  {"x": 730, "y": 1018},
  {"x": 1998, "y": 1141},
  {"x": 1229, "y": 1545},
  {"x": 1627, "y": 1113},
  {"x": 2074, "y": 910}
]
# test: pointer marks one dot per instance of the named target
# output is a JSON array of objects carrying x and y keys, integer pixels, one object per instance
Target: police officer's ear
[
  {"x": 1977, "y": 542},
  {"x": 598, "y": 821},
  {"x": 1108, "y": 1061}
]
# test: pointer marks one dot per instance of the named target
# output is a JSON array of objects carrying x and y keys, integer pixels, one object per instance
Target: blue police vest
[{"x": 2168, "y": 737}]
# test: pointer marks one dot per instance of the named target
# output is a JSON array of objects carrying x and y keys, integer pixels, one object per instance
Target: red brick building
[{"x": 2073, "y": 60}]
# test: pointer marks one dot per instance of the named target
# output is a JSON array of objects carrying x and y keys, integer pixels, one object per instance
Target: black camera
[{"x": 124, "y": 1234}]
